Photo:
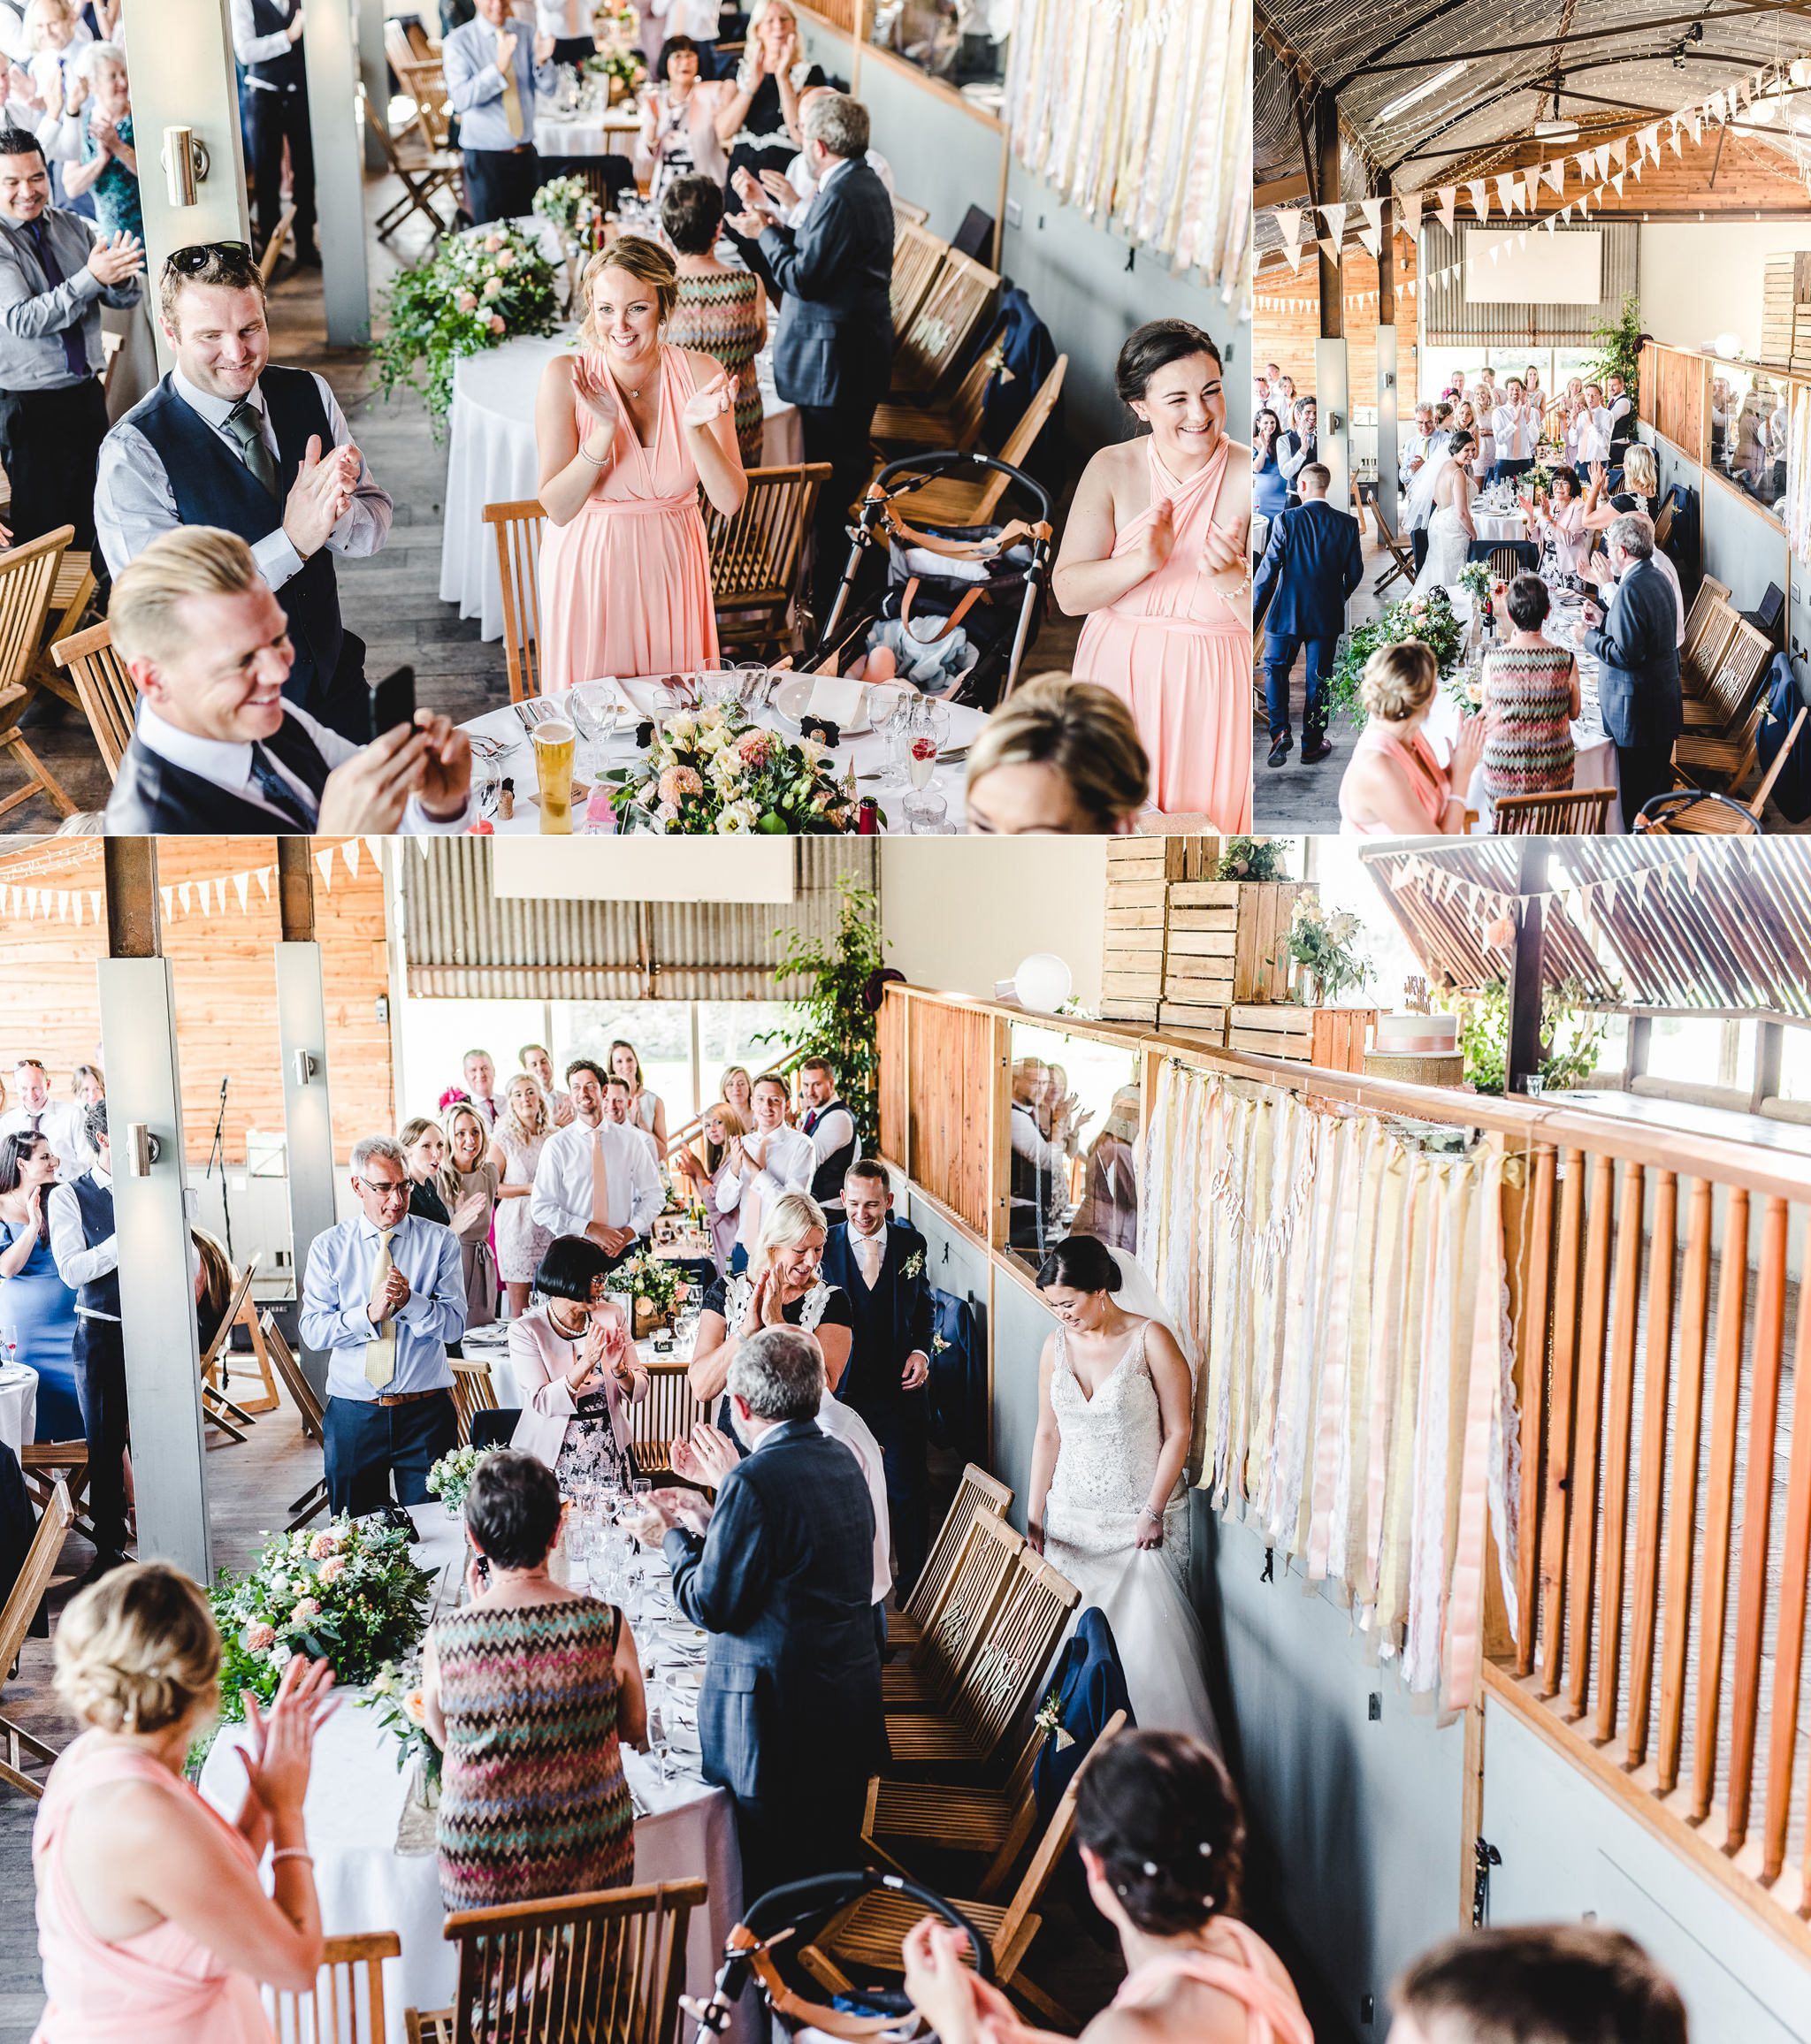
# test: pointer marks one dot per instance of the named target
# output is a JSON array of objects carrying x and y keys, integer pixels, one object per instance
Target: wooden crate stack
[
  {"x": 1785, "y": 327},
  {"x": 1141, "y": 872},
  {"x": 1228, "y": 943},
  {"x": 1333, "y": 1037}
]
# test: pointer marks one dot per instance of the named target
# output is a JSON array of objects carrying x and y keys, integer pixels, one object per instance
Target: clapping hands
[
  {"x": 115, "y": 257},
  {"x": 280, "y": 1748},
  {"x": 1159, "y": 540},
  {"x": 706, "y": 1457},
  {"x": 666, "y": 1509},
  {"x": 705, "y": 406},
  {"x": 1224, "y": 550},
  {"x": 321, "y": 494}
]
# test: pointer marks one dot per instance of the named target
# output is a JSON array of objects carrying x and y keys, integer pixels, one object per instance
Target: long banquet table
[{"x": 358, "y": 1798}]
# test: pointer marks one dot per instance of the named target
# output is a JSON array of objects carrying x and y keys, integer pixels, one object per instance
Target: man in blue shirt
[
  {"x": 493, "y": 66},
  {"x": 383, "y": 1295}
]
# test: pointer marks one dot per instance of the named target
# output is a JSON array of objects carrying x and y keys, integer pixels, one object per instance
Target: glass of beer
[{"x": 553, "y": 740}]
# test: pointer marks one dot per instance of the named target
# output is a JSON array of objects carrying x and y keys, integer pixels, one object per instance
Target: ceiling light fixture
[
  {"x": 1555, "y": 131},
  {"x": 1417, "y": 93}
]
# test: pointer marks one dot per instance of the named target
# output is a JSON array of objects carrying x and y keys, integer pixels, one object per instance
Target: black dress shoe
[
  {"x": 308, "y": 258},
  {"x": 1280, "y": 749},
  {"x": 1314, "y": 750},
  {"x": 102, "y": 1565}
]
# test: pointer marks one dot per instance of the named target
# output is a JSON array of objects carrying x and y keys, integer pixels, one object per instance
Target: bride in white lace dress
[
  {"x": 1107, "y": 1504},
  {"x": 1449, "y": 529}
]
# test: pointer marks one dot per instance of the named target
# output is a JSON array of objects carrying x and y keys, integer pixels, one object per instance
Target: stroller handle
[{"x": 942, "y": 464}]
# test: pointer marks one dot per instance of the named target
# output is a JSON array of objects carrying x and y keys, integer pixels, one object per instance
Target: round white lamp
[
  {"x": 1727, "y": 344},
  {"x": 1043, "y": 982}
]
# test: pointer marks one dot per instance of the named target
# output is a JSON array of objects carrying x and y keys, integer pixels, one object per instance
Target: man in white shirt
[
  {"x": 480, "y": 1071},
  {"x": 835, "y": 1142},
  {"x": 1415, "y": 445},
  {"x": 538, "y": 1061},
  {"x": 216, "y": 746},
  {"x": 58, "y": 1121},
  {"x": 569, "y": 23},
  {"x": 1039, "y": 1162},
  {"x": 770, "y": 1161},
  {"x": 80, "y": 1216},
  {"x": 616, "y": 1103},
  {"x": 267, "y": 41},
  {"x": 797, "y": 188},
  {"x": 596, "y": 1177},
  {"x": 1515, "y": 425}
]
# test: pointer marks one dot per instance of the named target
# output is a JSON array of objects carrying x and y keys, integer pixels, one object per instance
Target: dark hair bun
[
  {"x": 1161, "y": 1812},
  {"x": 1155, "y": 345},
  {"x": 1082, "y": 1263}
]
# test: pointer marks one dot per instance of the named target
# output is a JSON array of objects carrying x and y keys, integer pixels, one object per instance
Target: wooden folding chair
[
  {"x": 217, "y": 1409},
  {"x": 758, "y": 556},
  {"x": 938, "y": 335},
  {"x": 345, "y": 2003},
  {"x": 102, "y": 687},
  {"x": 908, "y": 213},
  {"x": 247, "y": 1316},
  {"x": 518, "y": 528},
  {"x": 1736, "y": 683},
  {"x": 423, "y": 174},
  {"x": 1569, "y": 812},
  {"x": 273, "y": 249},
  {"x": 606, "y": 1966},
  {"x": 17, "y": 1745},
  {"x": 918, "y": 255},
  {"x": 1505, "y": 563},
  {"x": 1734, "y": 758},
  {"x": 926, "y": 1675},
  {"x": 71, "y": 595},
  {"x": 1401, "y": 552},
  {"x": 868, "y": 1934},
  {"x": 314, "y": 1422},
  {"x": 950, "y": 500},
  {"x": 902, "y": 428},
  {"x": 473, "y": 1393},
  {"x": 1702, "y": 654},
  {"x": 976, "y": 1492},
  {"x": 667, "y": 1414},
  {"x": 28, "y": 584},
  {"x": 1663, "y": 524}
]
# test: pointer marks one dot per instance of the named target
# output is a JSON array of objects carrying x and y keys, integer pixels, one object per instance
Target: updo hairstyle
[
  {"x": 1399, "y": 680},
  {"x": 1084, "y": 1263},
  {"x": 1162, "y": 1813},
  {"x": 138, "y": 1651},
  {"x": 642, "y": 259}
]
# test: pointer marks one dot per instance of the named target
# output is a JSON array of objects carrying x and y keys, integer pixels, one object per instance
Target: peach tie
[
  {"x": 380, "y": 1351},
  {"x": 600, "y": 1181}
]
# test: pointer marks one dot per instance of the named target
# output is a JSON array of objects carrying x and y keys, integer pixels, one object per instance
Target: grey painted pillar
[
  {"x": 1389, "y": 452},
  {"x": 163, "y": 1362},
  {"x": 183, "y": 76},
  {"x": 374, "y": 68},
  {"x": 308, "y": 1119},
  {"x": 330, "y": 42}
]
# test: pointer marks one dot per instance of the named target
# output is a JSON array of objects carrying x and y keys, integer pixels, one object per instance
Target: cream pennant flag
[
  {"x": 1635, "y": 169},
  {"x": 1649, "y": 139},
  {"x": 1478, "y": 193},
  {"x": 1370, "y": 241},
  {"x": 1619, "y": 153},
  {"x": 1336, "y": 219},
  {"x": 1617, "y": 182},
  {"x": 241, "y": 887},
  {"x": 1495, "y": 248},
  {"x": 62, "y": 904},
  {"x": 1690, "y": 863},
  {"x": 1601, "y": 158},
  {"x": 31, "y": 903},
  {"x": 1448, "y": 200},
  {"x": 1719, "y": 107},
  {"x": 167, "y": 896},
  {"x": 349, "y": 851},
  {"x": 325, "y": 860},
  {"x": 1295, "y": 255},
  {"x": 1290, "y": 220},
  {"x": 1408, "y": 213},
  {"x": 185, "y": 894},
  {"x": 1556, "y": 175},
  {"x": 1696, "y": 122},
  {"x": 374, "y": 846},
  {"x": 1583, "y": 164},
  {"x": 95, "y": 905},
  {"x": 220, "y": 895},
  {"x": 1372, "y": 209},
  {"x": 1508, "y": 191},
  {"x": 266, "y": 874},
  {"x": 1330, "y": 249},
  {"x": 421, "y": 845}
]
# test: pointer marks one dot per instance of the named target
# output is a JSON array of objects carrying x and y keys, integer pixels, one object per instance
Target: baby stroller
[
  {"x": 961, "y": 603},
  {"x": 766, "y": 1947}
]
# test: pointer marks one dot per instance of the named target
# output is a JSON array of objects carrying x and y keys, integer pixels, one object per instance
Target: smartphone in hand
[{"x": 392, "y": 701}]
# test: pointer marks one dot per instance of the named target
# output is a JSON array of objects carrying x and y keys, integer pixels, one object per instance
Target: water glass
[
  {"x": 924, "y": 811},
  {"x": 889, "y": 712},
  {"x": 720, "y": 687}
]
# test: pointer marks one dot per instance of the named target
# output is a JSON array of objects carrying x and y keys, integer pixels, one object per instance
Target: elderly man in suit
[
  {"x": 1312, "y": 564},
  {"x": 780, "y": 1573},
  {"x": 833, "y": 353},
  {"x": 1637, "y": 659}
]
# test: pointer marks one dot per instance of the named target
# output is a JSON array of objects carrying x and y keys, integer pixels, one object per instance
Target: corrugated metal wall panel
[
  {"x": 1446, "y": 319},
  {"x": 460, "y": 939}
]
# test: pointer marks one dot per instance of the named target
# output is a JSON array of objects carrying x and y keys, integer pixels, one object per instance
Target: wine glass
[
  {"x": 927, "y": 732},
  {"x": 9, "y": 1343},
  {"x": 889, "y": 711}
]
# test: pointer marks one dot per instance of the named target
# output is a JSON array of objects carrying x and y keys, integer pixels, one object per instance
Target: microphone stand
[{"x": 218, "y": 1154}]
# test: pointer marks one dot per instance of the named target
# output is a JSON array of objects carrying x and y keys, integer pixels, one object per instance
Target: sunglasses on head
[{"x": 198, "y": 255}]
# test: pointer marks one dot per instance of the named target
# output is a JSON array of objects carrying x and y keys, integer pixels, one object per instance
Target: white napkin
[{"x": 838, "y": 701}]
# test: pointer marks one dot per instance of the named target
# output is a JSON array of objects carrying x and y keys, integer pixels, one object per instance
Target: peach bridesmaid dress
[
  {"x": 1180, "y": 657},
  {"x": 163, "y": 1987},
  {"x": 626, "y": 585}
]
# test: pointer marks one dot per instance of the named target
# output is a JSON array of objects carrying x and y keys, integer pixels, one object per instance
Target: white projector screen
[{"x": 1558, "y": 268}]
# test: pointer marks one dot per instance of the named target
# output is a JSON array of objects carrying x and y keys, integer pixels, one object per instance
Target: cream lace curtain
[
  {"x": 1139, "y": 111},
  {"x": 1343, "y": 1289}
]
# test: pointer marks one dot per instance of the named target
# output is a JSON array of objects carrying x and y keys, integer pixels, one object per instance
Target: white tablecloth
[
  {"x": 866, "y": 752},
  {"x": 583, "y": 134},
  {"x": 492, "y": 461},
  {"x": 1495, "y": 525},
  {"x": 18, "y": 1404},
  {"x": 356, "y": 1801}
]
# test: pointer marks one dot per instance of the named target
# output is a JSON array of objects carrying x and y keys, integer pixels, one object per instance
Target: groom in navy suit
[
  {"x": 1312, "y": 564},
  {"x": 881, "y": 1266}
]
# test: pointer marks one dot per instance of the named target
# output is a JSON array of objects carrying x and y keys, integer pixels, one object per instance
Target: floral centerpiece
[
  {"x": 621, "y": 68},
  {"x": 475, "y": 291},
  {"x": 1475, "y": 578},
  {"x": 655, "y": 1287},
  {"x": 349, "y": 1595},
  {"x": 1324, "y": 946},
  {"x": 450, "y": 1478},
  {"x": 1428, "y": 617},
  {"x": 568, "y": 204},
  {"x": 710, "y": 773},
  {"x": 396, "y": 1698}
]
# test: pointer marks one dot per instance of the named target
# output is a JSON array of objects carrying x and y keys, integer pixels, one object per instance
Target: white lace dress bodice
[{"x": 1448, "y": 545}]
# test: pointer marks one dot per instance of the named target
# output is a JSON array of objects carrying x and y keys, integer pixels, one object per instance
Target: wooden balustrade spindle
[
  {"x": 1613, "y": 1560},
  {"x": 1559, "y": 1424},
  {"x": 1794, "y": 1584},
  {"x": 1531, "y": 1379},
  {"x": 1688, "y": 1422},
  {"x": 1662, "y": 1262},
  {"x": 1757, "y": 1506},
  {"x": 1587, "y": 1420},
  {"x": 1731, "y": 1307}
]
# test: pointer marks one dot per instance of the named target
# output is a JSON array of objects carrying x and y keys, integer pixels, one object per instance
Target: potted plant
[{"x": 838, "y": 1016}]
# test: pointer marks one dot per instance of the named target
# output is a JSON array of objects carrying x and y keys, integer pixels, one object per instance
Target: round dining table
[
  {"x": 593, "y": 133},
  {"x": 491, "y": 460},
  {"x": 375, "y": 1866},
  {"x": 19, "y": 1404}
]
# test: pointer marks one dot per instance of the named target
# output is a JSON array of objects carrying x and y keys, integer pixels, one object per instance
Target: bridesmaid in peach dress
[
  {"x": 627, "y": 429},
  {"x": 153, "y": 1923},
  {"x": 1155, "y": 558},
  {"x": 1393, "y": 786}
]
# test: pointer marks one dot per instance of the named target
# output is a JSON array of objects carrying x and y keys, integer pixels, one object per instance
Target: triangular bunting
[
  {"x": 241, "y": 887},
  {"x": 1336, "y": 219},
  {"x": 325, "y": 860},
  {"x": 1478, "y": 194}
]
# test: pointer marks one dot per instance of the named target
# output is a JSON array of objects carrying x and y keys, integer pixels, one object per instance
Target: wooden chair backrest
[
  {"x": 345, "y": 2003},
  {"x": 939, "y": 333},
  {"x": 518, "y": 527},
  {"x": 970, "y": 401},
  {"x": 1020, "y": 443},
  {"x": 235, "y": 1312},
  {"x": 1571, "y": 811},
  {"x": 1759, "y": 801},
  {"x": 313, "y": 1415},
  {"x": 606, "y": 1966},
  {"x": 273, "y": 249},
  {"x": 669, "y": 1411},
  {"x": 397, "y": 46},
  {"x": 473, "y": 1393},
  {"x": 1663, "y": 524},
  {"x": 1505, "y": 563},
  {"x": 756, "y": 556},
  {"x": 976, "y": 1493},
  {"x": 27, "y": 578},
  {"x": 1052, "y": 1848},
  {"x": 1007, "y": 1664},
  {"x": 33, "y": 1579},
  {"x": 909, "y": 213},
  {"x": 109, "y": 698},
  {"x": 918, "y": 255},
  {"x": 968, "y": 1606},
  {"x": 1702, "y": 652},
  {"x": 1739, "y": 676}
]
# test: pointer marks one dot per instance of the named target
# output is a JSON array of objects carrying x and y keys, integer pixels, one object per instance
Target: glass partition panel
[
  {"x": 1749, "y": 417},
  {"x": 1075, "y": 1140},
  {"x": 961, "y": 42}
]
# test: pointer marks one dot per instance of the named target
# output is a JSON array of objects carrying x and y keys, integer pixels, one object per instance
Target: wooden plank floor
[{"x": 391, "y": 600}]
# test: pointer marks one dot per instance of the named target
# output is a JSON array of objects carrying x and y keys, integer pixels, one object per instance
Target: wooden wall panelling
[
  {"x": 949, "y": 1060},
  {"x": 1287, "y": 337}
]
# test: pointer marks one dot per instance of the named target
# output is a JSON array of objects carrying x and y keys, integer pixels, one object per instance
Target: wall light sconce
[
  {"x": 186, "y": 163},
  {"x": 306, "y": 1066}
]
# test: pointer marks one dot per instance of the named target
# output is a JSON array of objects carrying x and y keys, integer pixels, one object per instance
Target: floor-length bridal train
[{"x": 1108, "y": 1452}]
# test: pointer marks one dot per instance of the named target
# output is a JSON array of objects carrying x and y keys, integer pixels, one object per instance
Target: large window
[
  {"x": 1074, "y": 1138},
  {"x": 961, "y": 42}
]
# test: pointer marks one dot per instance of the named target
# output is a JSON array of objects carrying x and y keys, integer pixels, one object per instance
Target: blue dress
[
  {"x": 116, "y": 208},
  {"x": 1269, "y": 488},
  {"x": 42, "y": 1307}
]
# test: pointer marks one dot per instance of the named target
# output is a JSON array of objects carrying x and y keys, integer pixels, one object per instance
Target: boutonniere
[
  {"x": 1050, "y": 1721},
  {"x": 913, "y": 1265}
]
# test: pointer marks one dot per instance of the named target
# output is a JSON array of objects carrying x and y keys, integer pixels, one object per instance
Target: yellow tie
[
  {"x": 512, "y": 99},
  {"x": 380, "y": 1352},
  {"x": 600, "y": 1182}
]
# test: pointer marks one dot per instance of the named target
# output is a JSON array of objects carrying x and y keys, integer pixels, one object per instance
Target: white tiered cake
[{"x": 1421, "y": 1048}]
